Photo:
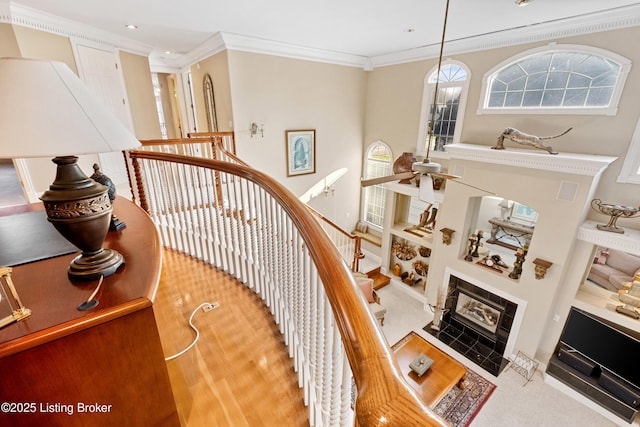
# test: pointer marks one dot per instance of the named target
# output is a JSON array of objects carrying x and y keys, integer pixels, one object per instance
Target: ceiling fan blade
[
  {"x": 383, "y": 179},
  {"x": 444, "y": 175},
  {"x": 474, "y": 187}
]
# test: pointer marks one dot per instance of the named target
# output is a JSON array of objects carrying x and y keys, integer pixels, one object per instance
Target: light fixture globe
[{"x": 80, "y": 209}]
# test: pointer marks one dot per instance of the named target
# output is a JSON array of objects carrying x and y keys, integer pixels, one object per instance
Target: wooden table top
[
  {"x": 442, "y": 376},
  {"x": 45, "y": 289}
]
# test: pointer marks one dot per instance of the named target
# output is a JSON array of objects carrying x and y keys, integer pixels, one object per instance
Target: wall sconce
[
  {"x": 446, "y": 235},
  {"x": 541, "y": 267},
  {"x": 254, "y": 129}
]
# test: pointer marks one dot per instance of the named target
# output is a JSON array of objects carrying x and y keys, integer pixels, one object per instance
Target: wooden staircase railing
[
  {"x": 245, "y": 223},
  {"x": 349, "y": 245},
  {"x": 221, "y": 145}
]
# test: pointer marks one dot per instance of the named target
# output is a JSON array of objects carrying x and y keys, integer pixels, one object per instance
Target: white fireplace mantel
[{"x": 580, "y": 164}]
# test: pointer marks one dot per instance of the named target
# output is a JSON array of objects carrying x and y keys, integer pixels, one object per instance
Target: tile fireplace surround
[{"x": 483, "y": 345}]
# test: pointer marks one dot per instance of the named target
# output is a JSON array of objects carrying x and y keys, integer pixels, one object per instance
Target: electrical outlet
[{"x": 207, "y": 308}]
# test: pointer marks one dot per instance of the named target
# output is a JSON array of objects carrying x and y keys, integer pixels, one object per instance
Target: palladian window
[{"x": 558, "y": 79}]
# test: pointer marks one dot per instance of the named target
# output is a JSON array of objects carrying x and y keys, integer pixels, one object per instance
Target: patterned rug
[{"x": 459, "y": 407}]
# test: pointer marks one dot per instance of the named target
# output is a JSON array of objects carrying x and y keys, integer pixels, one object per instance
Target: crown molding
[
  {"x": 623, "y": 17},
  {"x": 181, "y": 63},
  {"x": 571, "y": 163},
  {"x": 270, "y": 47},
  {"x": 16, "y": 14},
  {"x": 221, "y": 41}
]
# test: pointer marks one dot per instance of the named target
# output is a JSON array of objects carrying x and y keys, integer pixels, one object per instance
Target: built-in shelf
[
  {"x": 629, "y": 241},
  {"x": 398, "y": 229},
  {"x": 603, "y": 303},
  {"x": 396, "y": 222}
]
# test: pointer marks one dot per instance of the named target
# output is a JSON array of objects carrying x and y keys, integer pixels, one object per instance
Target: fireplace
[
  {"x": 480, "y": 323},
  {"x": 477, "y": 313}
]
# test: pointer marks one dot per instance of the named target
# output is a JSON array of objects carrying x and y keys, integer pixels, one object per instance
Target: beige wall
[
  {"x": 288, "y": 94},
  {"x": 8, "y": 43},
  {"x": 217, "y": 66},
  {"x": 394, "y": 95},
  {"x": 142, "y": 102},
  {"x": 394, "y": 100},
  {"x": 41, "y": 45}
]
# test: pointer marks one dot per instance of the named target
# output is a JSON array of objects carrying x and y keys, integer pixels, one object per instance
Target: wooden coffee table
[{"x": 442, "y": 376}]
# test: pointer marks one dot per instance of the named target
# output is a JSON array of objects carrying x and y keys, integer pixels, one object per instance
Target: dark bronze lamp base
[
  {"x": 81, "y": 210},
  {"x": 92, "y": 266}
]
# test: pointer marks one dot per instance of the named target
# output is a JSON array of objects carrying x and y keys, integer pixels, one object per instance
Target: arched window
[
  {"x": 453, "y": 85},
  {"x": 378, "y": 163},
  {"x": 556, "y": 79}
]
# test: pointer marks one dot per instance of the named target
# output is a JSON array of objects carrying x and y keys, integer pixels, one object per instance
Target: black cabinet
[{"x": 602, "y": 388}]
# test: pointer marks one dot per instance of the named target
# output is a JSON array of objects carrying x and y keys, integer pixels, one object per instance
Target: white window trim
[
  {"x": 427, "y": 101},
  {"x": 629, "y": 172},
  {"x": 376, "y": 228},
  {"x": 612, "y": 110}
]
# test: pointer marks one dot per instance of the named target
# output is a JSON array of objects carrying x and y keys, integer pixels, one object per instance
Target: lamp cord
[
  {"x": 195, "y": 340},
  {"x": 435, "y": 92}
]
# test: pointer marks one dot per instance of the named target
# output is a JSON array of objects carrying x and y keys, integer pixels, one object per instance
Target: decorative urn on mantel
[{"x": 404, "y": 163}]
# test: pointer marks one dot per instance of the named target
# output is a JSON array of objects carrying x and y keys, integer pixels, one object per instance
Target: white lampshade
[{"x": 46, "y": 111}]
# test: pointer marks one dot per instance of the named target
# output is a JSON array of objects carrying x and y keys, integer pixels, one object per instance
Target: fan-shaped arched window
[
  {"x": 378, "y": 163},
  {"x": 453, "y": 85},
  {"x": 556, "y": 79}
]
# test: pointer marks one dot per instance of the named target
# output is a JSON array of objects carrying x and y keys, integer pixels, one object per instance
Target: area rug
[{"x": 459, "y": 407}]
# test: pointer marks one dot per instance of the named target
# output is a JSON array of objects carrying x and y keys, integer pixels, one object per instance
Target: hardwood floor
[{"x": 239, "y": 373}]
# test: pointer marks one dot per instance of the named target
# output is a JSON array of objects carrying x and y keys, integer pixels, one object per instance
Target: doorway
[{"x": 11, "y": 192}]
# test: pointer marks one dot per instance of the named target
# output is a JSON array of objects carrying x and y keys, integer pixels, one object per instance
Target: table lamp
[{"x": 47, "y": 111}]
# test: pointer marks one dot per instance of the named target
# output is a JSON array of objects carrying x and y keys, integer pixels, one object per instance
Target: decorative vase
[
  {"x": 397, "y": 270},
  {"x": 615, "y": 212},
  {"x": 404, "y": 163},
  {"x": 80, "y": 209}
]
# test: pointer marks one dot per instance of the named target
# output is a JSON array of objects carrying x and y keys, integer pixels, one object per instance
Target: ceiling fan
[{"x": 425, "y": 169}]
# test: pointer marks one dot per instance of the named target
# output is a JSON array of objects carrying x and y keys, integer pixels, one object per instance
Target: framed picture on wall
[{"x": 301, "y": 152}]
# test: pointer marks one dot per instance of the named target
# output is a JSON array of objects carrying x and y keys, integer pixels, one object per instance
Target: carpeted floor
[{"x": 459, "y": 407}]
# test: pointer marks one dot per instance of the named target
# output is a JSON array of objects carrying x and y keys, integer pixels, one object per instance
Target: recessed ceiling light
[
  {"x": 523, "y": 3},
  {"x": 409, "y": 30},
  {"x": 168, "y": 52},
  {"x": 131, "y": 26}
]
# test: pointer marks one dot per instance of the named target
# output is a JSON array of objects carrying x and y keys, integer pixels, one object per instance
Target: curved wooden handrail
[
  {"x": 384, "y": 397},
  {"x": 217, "y": 135},
  {"x": 357, "y": 247}
]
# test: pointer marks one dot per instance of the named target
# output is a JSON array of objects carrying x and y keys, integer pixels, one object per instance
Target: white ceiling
[{"x": 366, "y": 28}]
